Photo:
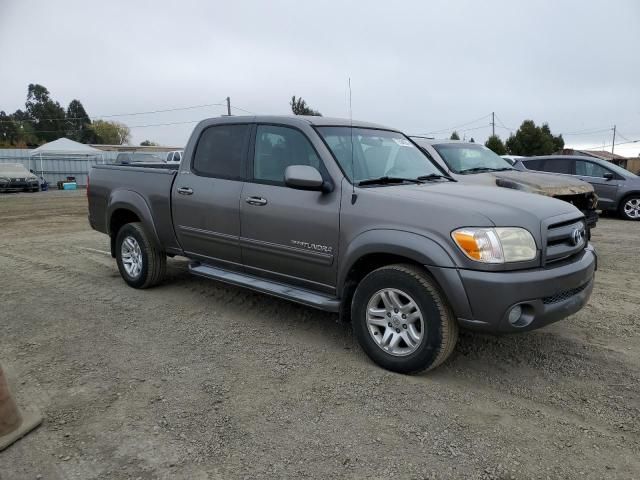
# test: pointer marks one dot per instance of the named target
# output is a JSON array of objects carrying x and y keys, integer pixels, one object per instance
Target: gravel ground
[{"x": 195, "y": 379}]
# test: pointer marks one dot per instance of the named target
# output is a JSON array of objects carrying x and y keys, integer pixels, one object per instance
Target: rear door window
[
  {"x": 533, "y": 164},
  {"x": 220, "y": 151},
  {"x": 559, "y": 165}
]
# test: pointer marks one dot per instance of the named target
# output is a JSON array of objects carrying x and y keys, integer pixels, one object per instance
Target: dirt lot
[{"x": 195, "y": 379}]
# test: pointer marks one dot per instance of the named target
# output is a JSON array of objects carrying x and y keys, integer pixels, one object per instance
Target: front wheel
[
  {"x": 401, "y": 319},
  {"x": 141, "y": 263},
  {"x": 630, "y": 208}
]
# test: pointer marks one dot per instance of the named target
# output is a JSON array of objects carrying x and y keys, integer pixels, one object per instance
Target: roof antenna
[{"x": 354, "y": 197}]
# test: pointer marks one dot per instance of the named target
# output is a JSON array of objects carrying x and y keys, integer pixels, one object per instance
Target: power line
[
  {"x": 503, "y": 125},
  {"x": 457, "y": 126},
  {"x": 475, "y": 128},
  {"x": 587, "y": 131},
  {"x": 609, "y": 145},
  {"x": 128, "y": 126},
  {"x": 622, "y": 136},
  {"x": 98, "y": 117}
]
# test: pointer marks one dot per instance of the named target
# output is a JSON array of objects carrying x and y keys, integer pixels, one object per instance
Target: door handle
[
  {"x": 185, "y": 191},
  {"x": 258, "y": 201}
]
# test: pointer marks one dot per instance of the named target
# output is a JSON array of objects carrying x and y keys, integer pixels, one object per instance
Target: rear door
[
  {"x": 288, "y": 235},
  {"x": 606, "y": 189},
  {"x": 205, "y": 197}
]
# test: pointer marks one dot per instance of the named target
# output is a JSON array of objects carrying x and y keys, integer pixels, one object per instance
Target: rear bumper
[{"x": 544, "y": 295}]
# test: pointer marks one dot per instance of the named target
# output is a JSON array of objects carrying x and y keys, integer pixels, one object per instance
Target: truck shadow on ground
[{"x": 541, "y": 352}]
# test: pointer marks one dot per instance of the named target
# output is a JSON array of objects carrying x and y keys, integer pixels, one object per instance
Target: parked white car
[{"x": 14, "y": 177}]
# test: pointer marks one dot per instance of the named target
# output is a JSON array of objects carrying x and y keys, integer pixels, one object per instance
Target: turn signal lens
[{"x": 496, "y": 245}]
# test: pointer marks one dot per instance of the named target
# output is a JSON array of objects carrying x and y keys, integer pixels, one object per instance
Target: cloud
[{"x": 418, "y": 66}]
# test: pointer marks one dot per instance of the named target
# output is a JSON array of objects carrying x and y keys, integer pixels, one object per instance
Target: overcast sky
[{"x": 419, "y": 66}]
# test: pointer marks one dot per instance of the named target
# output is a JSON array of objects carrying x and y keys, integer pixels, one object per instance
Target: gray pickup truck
[{"x": 306, "y": 209}]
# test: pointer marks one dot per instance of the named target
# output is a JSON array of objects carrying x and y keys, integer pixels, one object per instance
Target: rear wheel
[
  {"x": 630, "y": 208},
  {"x": 141, "y": 263},
  {"x": 401, "y": 319}
]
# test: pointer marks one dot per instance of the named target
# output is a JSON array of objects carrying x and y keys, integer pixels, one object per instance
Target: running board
[{"x": 298, "y": 295}]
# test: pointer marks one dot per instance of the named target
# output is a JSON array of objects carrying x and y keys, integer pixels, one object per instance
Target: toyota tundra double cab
[{"x": 353, "y": 218}]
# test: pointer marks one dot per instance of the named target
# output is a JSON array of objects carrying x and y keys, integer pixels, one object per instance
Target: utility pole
[
  {"x": 228, "y": 106},
  {"x": 613, "y": 144},
  {"x": 493, "y": 124}
]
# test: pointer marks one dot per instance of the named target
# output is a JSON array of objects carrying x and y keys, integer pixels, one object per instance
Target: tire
[
  {"x": 408, "y": 284},
  {"x": 629, "y": 208},
  {"x": 150, "y": 262}
]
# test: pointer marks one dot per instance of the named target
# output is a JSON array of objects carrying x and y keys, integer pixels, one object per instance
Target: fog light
[{"x": 514, "y": 315}]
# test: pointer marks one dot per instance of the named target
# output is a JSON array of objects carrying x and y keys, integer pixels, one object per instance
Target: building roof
[{"x": 601, "y": 154}]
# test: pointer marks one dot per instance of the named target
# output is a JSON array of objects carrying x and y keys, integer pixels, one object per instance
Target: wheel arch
[
  {"x": 376, "y": 248},
  {"x": 126, "y": 206}
]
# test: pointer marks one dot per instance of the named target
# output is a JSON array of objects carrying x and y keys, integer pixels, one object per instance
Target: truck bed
[{"x": 146, "y": 187}]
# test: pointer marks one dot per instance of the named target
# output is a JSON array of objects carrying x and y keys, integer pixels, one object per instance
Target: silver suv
[{"x": 618, "y": 189}]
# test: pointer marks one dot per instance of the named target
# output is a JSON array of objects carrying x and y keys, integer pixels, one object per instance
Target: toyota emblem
[{"x": 577, "y": 236}]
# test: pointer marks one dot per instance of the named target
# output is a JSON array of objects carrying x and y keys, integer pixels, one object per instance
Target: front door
[
  {"x": 606, "y": 189},
  {"x": 286, "y": 234},
  {"x": 206, "y": 196}
]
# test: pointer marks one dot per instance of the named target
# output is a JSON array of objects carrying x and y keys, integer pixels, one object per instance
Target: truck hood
[
  {"x": 471, "y": 205},
  {"x": 540, "y": 183}
]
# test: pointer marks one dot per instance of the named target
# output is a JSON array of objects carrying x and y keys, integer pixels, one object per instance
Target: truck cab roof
[{"x": 295, "y": 120}]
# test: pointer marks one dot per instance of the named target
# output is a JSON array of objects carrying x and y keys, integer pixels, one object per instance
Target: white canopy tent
[{"x": 65, "y": 149}]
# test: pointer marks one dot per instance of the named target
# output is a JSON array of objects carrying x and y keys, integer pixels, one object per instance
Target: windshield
[
  {"x": 376, "y": 153},
  {"x": 466, "y": 158}
]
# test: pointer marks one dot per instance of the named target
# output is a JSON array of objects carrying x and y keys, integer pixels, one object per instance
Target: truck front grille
[
  {"x": 567, "y": 294},
  {"x": 561, "y": 240}
]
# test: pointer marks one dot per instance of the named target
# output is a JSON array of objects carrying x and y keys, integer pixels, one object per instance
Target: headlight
[{"x": 496, "y": 245}]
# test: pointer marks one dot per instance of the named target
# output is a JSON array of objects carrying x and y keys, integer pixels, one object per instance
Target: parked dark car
[
  {"x": 14, "y": 177},
  {"x": 618, "y": 189},
  {"x": 475, "y": 164}
]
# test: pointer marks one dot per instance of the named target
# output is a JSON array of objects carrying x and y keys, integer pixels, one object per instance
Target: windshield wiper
[
  {"x": 483, "y": 169},
  {"x": 386, "y": 180},
  {"x": 435, "y": 176}
]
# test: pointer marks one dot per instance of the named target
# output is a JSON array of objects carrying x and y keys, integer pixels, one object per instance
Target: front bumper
[
  {"x": 18, "y": 186},
  {"x": 482, "y": 300}
]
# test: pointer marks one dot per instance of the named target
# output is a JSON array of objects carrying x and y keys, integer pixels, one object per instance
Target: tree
[
  {"x": 454, "y": 136},
  {"x": 300, "y": 107},
  {"x": 533, "y": 140},
  {"x": 79, "y": 123},
  {"x": 8, "y": 130},
  {"x": 48, "y": 116},
  {"x": 148, "y": 143},
  {"x": 496, "y": 144},
  {"x": 111, "y": 133},
  {"x": 16, "y": 130},
  {"x": 472, "y": 140}
]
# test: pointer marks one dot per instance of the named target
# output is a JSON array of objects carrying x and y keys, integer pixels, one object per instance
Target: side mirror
[
  {"x": 608, "y": 175},
  {"x": 303, "y": 177}
]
